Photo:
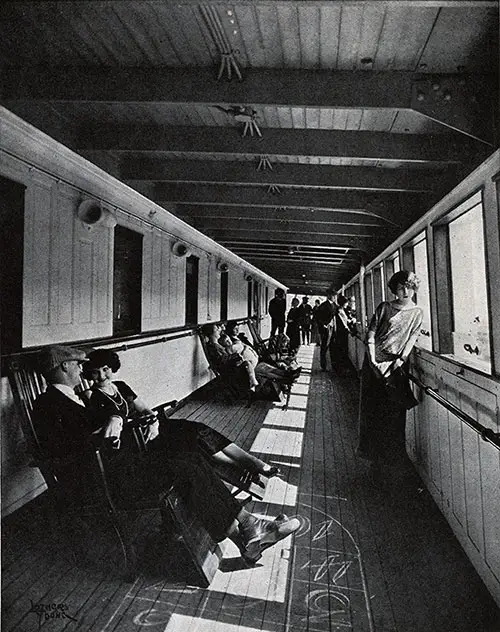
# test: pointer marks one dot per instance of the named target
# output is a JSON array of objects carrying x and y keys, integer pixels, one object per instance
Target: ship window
[
  {"x": 422, "y": 297},
  {"x": 223, "y": 294},
  {"x": 461, "y": 285},
  {"x": 192, "y": 268}
]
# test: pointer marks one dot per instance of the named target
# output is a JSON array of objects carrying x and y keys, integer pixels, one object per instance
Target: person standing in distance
[
  {"x": 325, "y": 317},
  {"x": 277, "y": 309}
]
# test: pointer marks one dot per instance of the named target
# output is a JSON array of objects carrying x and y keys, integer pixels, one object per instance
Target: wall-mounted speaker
[
  {"x": 180, "y": 249},
  {"x": 91, "y": 213},
  {"x": 222, "y": 266}
]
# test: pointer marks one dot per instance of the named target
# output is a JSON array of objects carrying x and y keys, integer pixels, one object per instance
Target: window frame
[{"x": 440, "y": 228}]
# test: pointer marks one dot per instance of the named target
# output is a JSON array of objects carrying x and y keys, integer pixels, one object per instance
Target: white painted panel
[
  {"x": 490, "y": 484},
  {"x": 204, "y": 279},
  {"x": 237, "y": 294},
  {"x": 38, "y": 213},
  {"x": 104, "y": 288},
  {"x": 165, "y": 279},
  {"x": 445, "y": 457},
  {"x": 156, "y": 272},
  {"x": 147, "y": 273},
  {"x": 457, "y": 470},
  {"x": 62, "y": 236},
  {"x": 177, "y": 285},
  {"x": 473, "y": 497},
  {"x": 153, "y": 272},
  {"x": 84, "y": 282}
]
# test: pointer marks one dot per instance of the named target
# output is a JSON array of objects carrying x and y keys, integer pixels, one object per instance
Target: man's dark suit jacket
[
  {"x": 62, "y": 425},
  {"x": 325, "y": 313}
]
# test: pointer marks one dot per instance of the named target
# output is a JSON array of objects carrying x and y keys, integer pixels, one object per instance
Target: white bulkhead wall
[{"x": 68, "y": 273}]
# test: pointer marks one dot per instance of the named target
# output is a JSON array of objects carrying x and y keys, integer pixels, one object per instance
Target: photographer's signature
[{"x": 49, "y": 612}]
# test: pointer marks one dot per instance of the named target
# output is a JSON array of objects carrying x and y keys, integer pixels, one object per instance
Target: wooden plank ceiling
[{"x": 333, "y": 124}]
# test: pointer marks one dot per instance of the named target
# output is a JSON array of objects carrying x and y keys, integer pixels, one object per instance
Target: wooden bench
[{"x": 27, "y": 384}]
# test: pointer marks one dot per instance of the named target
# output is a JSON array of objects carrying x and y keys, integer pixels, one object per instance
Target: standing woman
[{"x": 391, "y": 336}]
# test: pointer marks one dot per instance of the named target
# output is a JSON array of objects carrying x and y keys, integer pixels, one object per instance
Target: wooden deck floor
[{"x": 367, "y": 558}]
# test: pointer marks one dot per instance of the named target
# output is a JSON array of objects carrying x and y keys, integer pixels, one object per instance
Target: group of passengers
[
  {"x": 231, "y": 353},
  {"x": 179, "y": 449},
  {"x": 66, "y": 424}
]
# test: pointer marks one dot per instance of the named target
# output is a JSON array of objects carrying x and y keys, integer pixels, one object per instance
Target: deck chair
[
  {"x": 177, "y": 523},
  {"x": 240, "y": 480},
  {"x": 268, "y": 353},
  {"x": 259, "y": 344},
  {"x": 230, "y": 386}
]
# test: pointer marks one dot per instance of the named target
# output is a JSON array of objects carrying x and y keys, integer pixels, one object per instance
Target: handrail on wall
[
  {"x": 486, "y": 433},
  {"x": 190, "y": 330}
]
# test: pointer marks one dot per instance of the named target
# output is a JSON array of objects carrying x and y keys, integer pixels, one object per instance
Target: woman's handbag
[{"x": 397, "y": 386}]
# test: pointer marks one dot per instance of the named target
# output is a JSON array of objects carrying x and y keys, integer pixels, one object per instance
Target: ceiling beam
[
  {"x": 382, "y": 146},
  {"x": 381, "y": 216},
  {"x": 285, "y": 244},
  {"x": 283, "y": 174},
  {"x": 301, "y": 88},
  {"x": 358, "y": 207},
  {"x": 296, "y": 255},
  {"x": 282, "y": 226},
  {"x": 365, "y": 245}
]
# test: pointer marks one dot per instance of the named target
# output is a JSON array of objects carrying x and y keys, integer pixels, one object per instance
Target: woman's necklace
[{"x": 117, "y": 398}]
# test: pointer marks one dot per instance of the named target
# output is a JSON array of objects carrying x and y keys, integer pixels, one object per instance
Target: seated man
[{"x": 65, "y": 427}]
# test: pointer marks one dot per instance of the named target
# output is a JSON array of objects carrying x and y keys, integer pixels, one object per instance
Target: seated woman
[
  {"x": 226, "y": 361},
  {"x": 262, "y": 369},
  {"x": 108, "y": 398}
]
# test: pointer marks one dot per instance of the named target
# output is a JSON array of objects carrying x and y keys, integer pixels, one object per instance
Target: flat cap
[{"x": 52, "y": 357}]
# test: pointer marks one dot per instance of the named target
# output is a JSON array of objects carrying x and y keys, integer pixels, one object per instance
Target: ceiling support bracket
[
  {"x": 264, "y": 163},
  {"x": 229, "y": 64},
  {"x": 462, "y": 102}
]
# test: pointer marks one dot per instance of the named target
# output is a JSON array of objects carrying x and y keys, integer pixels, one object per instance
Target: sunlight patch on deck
[
  {"x": 278, "y": 442},
  {"x": 289, "y": 418},
  {"x": 266, "y": 581},
  {"x": 183, "y": 623},
  {"x": 279, "y": 492}
]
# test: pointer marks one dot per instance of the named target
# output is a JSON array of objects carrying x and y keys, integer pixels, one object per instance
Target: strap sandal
[
  {"x": 271, "y": 533},
  {"x": 274, "y": 470}
]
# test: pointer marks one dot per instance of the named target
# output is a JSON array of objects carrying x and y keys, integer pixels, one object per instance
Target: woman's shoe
[
  {"x": 273, "y": 470},
  {"x": 267, "y": 534}
]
